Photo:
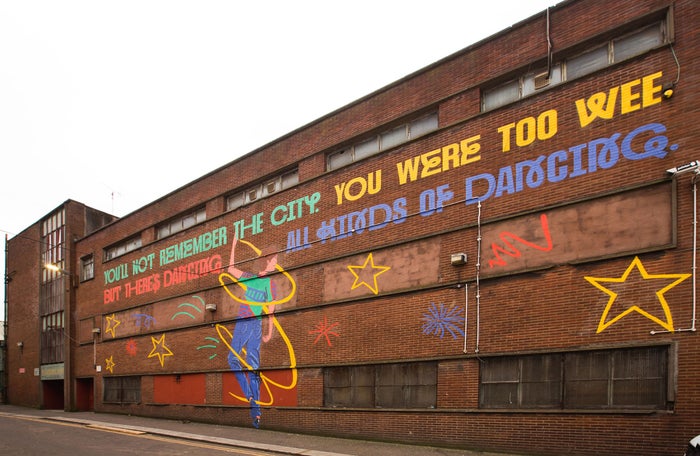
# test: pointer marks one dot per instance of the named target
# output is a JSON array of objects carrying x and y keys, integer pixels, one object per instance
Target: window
[
  {"x": 638, "y": 42},
  {"x": 122, "y": 390},
  {"x": 521, "y": 382},
  {"x": 87, "y": 267},
  {"x": 181, "y": 223},
  {"x": 366, "y": 148},
  {"x": 629, "y": 378},
  {"x": 52, "y": 337},
  {"x": 340, "y": 159},
  {"x": 383, "y": 141},
  {"x": 393, "y": 137},
  {"x": 409, "y": 385},
  {"x": 587, "y": 62},
  {"x": 603, "y": 379},
  {"x": 262, "y": 190},
  {"x": 123, "y": 248},
  {"x": 349, "y": 386},
  {"x": 52, "y": 321},
  {"x": 53, "y": 244},
  {"x": 52, "y": 294},
  {"x": 501, "y": 95},
  {"x": 521, "y": 87},
  {"x": 594, "y": 59}
]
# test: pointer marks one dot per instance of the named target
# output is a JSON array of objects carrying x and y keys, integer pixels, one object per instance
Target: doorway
[
  {"x": 53, "y": 394},
  {"x": 85, "y": 392}
]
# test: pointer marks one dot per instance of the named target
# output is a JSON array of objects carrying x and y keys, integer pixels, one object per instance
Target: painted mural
[
  {"x": 244, "y": 343},
  {"x": 325, "y": 329},
  {"x": 441, "y": 320},
  {"x": 603, "y": 227},
  {"x": 638, "y": 291},
  {"x": 253, "y": 292}
]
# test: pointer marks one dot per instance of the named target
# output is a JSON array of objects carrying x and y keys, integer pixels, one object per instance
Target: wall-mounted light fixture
[
  {"x": 458, "y": 259},
  {"x": 20, "y": 345},
  {"x": 96, "y": 331},
  {"x": 211, "y": 307},
  {"x": 56, "y": 268},
  {"x": 685, "y": 168},
  {"x": 667, "y": 89}
]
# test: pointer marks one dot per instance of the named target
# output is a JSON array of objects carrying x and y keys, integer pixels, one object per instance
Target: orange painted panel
[
  {"x": 179, "y": 389},
  {"x": 277, "y": 388}
]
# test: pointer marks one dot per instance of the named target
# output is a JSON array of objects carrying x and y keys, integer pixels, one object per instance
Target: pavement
[{"x": 255, "y": 439}]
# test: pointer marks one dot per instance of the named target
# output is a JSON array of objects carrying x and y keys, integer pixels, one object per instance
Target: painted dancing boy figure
[{"x": 247, "y": 334}]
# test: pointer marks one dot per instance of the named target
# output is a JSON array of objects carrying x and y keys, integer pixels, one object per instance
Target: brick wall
[{"x": 23, "y": 386}]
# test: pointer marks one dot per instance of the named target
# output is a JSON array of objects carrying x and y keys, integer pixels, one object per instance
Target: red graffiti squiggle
[{"x": 512, "y": 251}]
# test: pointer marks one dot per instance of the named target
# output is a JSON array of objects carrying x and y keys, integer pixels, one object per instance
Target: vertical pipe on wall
[
  {"x": 695, "y": 245},
  {"x": 695, "y": 254},
  {"x": 549, "y": 48},
  {"x": 478, "y": 270},
  {"x": 5, "y": 372},
  {"x": 466, "y": 315}
]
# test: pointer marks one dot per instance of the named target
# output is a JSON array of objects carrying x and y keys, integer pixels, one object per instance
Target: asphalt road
[{"x": 25, "y": 436}]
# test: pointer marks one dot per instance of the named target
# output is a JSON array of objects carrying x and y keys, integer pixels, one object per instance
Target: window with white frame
[
  {"x": 87, "y": 267},
  {"x": 262, "y": 190},
  {"x": 383, "y": 141},
  {"x": 596, "y": 58}
]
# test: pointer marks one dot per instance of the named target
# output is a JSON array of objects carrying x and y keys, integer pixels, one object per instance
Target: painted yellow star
[
  {"x": 374, "y": 271},
  {"x": 159, "y": 349},
  {"x": 636, "y": 264},
  {"x": 112, "y": 324},
  {"x": 109, "y": 364}
]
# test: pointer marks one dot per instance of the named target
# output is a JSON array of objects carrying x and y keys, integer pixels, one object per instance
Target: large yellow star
[
  {"x": 159, "y": 349},
  {"x": 374, "y": 271},
  {"x": 623, "y": 308},
  {"x": 109, "y": 364},
  {"x": 112, "y": 324}
]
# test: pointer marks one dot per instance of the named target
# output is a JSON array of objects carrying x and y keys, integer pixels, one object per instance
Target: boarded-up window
[
  {"x": 603, "y": 379},
  {"x": 406, "y": 385},
  {"x": 586, "y": 380},
  {"x": 541, "y": 381},
  {"x": 409, "y": 385},
  {"x": 122, "y": 390}
]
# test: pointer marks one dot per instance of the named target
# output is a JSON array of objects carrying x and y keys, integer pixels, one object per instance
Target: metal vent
[{"x": 541, "y": 80}]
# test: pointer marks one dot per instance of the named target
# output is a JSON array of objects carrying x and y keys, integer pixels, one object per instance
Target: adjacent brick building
[{"x": 496, "y": 252}]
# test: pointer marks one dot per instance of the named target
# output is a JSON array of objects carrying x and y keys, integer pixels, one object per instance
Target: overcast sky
[{"x": 116, "y": 103}]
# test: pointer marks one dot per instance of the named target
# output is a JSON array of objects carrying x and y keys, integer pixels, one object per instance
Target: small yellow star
[
  {"x": 623, "y": 308},
  {"x": 109, "y": 364},
  {"x": 159, "y": 349},
  {"x": 362, "y": 271},
  {"x": 112, "y": 324}
]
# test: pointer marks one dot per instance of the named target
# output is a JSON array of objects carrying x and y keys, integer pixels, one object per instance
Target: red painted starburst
[
  {"x": 323, "y": 329},
  {"x": 131, "y": 347}
]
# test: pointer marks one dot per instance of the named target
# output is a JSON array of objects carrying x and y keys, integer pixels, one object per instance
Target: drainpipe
[
  {"x": 5, "y": 373},
  {"x": 466, "y": 315},
  {"x": 478, "y": 270},
  {"x": 693, "y": 166}
]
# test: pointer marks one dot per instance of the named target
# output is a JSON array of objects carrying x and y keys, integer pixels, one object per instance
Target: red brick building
[
  {"x": 38, "y": 303},
  {"x": 496, "y": 252}
]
